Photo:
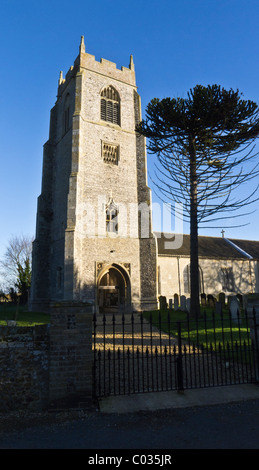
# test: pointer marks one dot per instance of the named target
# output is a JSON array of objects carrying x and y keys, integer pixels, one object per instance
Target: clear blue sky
[{"x": 176, "y": 44}]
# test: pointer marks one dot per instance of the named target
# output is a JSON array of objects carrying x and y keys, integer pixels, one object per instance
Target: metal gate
[{"x": 142, "y": 352}]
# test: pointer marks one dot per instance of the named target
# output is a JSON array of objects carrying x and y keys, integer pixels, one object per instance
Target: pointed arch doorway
[{"x": 113, "y": 286}]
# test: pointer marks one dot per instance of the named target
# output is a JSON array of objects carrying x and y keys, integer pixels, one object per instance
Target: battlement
[
  {"x": 68, "y": 76},
  {"x": 104, "y": 67}
]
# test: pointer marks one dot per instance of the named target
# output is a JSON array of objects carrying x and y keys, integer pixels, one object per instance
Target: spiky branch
[{"x": 203, "y": 144}]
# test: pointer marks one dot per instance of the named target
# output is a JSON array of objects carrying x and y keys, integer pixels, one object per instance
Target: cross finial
[{"x": 223, "y": 233}]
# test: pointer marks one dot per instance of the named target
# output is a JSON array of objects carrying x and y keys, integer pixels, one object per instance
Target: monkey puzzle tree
[{"x": 202, "y": 144}]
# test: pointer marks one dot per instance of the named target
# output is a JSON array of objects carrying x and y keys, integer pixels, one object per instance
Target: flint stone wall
[{"x": 24, "y": 368}]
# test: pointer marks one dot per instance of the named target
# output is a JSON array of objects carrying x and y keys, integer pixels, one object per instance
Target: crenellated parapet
[{"x": 104, "y": 67}]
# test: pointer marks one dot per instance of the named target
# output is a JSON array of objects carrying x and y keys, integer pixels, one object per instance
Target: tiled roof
[
  {"x": 210, "y": 247},
  {"x": 249, "y": 246}
]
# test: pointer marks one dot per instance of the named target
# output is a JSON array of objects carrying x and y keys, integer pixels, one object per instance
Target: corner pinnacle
[
  {"x": 131, "y": 64},
  {"x": 82, "y": 45},
  {"x": 60, "y": 78}
]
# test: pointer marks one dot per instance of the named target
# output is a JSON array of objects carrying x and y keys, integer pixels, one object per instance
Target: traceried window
[
  {"x": 111, "y": 218},
  {"x": 110, "y": 105}
]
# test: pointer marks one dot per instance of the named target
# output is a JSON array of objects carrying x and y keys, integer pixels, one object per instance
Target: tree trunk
[{"x": 194, "y": 251}]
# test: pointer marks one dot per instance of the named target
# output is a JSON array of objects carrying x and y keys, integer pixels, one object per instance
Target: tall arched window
[
  {"x": 110, "y": 105},
  {"x": 111, "y": 217}
]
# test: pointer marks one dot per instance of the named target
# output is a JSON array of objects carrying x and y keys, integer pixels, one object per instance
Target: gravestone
[
  {"x": 222, "y": 299},
  {"x": 252, "y": 305},
  {"x": 211, "y": 301},
  {"x": 188, "y": 305},
  {"x": 203, "y": 300},
  {"x": 170, "y": 304},
  {"x": 183, "y": 302},
  {"x": 162, "y": 302},
  {"x": 240, "y": 299},
  {"x": 176, "y": 302},
  {"x": 234, "y": 308}
]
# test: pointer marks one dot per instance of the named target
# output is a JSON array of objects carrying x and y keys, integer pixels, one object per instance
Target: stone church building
[
  {"x": 225, "y": 266},
  {"x": 94, "y": 241}
]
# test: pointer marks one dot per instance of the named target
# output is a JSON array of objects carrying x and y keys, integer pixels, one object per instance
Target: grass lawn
[
  {"x": 21, "y": 315},
  {"x": 215, "y": 331},
  {"x": 210, "y": 330}
]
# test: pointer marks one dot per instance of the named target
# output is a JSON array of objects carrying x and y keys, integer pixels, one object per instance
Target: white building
[{"x": 226, "y": 265}]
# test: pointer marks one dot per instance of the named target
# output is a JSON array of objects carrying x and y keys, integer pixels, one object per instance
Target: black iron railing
[{"x": 145, "y": 352}]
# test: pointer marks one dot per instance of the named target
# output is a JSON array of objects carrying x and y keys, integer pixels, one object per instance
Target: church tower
[{"x": 94, "y": 241}]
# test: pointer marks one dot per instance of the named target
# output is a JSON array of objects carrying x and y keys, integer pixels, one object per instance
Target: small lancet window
[
  {"x": 110, "y": 105},
  {"x": 112, "y": 217},
  {"x": 59, "y": 278},
  {"x": 66, "y": 114}
]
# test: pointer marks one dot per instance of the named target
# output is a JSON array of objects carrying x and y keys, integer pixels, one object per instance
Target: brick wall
[{"x": 70, "y": 373}]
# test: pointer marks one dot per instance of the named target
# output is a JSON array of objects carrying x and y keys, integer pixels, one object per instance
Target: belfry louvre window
[{"x": 110, "y": 105}]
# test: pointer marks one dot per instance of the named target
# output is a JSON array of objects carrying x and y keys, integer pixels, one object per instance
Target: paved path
[
  {"x": 135, "y": 356},
  {"x": 174, "y": 400}
]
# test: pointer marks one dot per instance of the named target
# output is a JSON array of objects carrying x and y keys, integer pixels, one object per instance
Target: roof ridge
[
  {"x": 238, "y": 248},
  {"x": 206, "y": 236},
  {"x": 218, "y": 247}
]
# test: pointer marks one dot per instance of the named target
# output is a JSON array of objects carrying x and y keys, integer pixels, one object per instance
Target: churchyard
[
  {"x": 166, "y": 349},
  {"x": 223, "y": 319},
  {"x": 132, "y": 353},
  {"x": 19, "y": 315},
  {"x": 226, "y": 314}
]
